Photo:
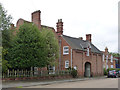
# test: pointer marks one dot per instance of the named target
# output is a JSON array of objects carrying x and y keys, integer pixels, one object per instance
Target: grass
[{"x": 19, "y": 87}]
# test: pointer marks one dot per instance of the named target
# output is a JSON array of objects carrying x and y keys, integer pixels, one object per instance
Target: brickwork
[
  {"x": 107, "y": 59},
  {"x": 76, "y": 58}
]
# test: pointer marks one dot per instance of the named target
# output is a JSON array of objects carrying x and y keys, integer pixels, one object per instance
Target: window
[
  {"x": 107, "y": 67},
  {"x": 111, "y": 58},
  {"x": 103, "y": 57},
  {"x": 65, "y": 50},
  {"x": 106, "y": 57},
  {"x": 66, "y": 64},
  {"x": 87, "y": 51},
  {"x": 103, "y": 66},
  {"x": 106, "y": 61},
  {"x": 111, "y": 66},
  {"x": 51, "y": 69}
]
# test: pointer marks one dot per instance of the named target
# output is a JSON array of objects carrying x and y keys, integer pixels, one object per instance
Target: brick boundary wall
[{"x": 38, "y": 78}]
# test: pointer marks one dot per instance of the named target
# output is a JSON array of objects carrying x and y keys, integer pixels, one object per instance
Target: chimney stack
[
  {"x": 88, "y": 37},
  {"x": 36, "y": 18},
  {"x": 106, "y": 49},
  {"x": 59, "y": 27}
]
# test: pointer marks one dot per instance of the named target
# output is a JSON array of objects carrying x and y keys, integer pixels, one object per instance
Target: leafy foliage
[
  {"x": 32, "y": 48},
  {"x": 105, "y": 71},
  {"x": 5, "y": 21},
  {"x": 51, "y": 46},
  {"x": 115, "y": 54},
  {"x": 74, "y": 73}
]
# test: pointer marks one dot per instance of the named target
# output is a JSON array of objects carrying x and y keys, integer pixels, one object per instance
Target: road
[{"x": 92, "y": 83}]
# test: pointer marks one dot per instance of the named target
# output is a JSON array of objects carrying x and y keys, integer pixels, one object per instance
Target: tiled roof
[{"x": 77, "y": 43}]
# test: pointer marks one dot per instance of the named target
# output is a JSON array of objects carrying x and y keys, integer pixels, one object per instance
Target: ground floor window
[
  {"x": 67, "y": 64},
  {"x": 107, "y": 67},
  {"x": 51, "y": 69},
  {"x": 111, "y": 66}
]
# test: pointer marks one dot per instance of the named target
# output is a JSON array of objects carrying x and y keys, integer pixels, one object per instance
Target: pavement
[{"x": 27, "y": 83}]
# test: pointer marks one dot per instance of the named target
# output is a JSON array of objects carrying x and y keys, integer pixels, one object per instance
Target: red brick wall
[
  {"x": 65, "y": 57},
  {"x": 79, "y": 59}
]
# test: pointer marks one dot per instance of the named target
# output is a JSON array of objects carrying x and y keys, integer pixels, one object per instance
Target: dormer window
[
  {"x": 87, "y": 51},
  {"x": 65, "y": 50}
]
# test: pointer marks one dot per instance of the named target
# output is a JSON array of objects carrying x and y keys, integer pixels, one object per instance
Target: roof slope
[{"x": 77, "y": 43}]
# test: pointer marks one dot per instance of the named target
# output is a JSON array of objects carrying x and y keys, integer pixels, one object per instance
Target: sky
[{"x": 80, "y": 17}]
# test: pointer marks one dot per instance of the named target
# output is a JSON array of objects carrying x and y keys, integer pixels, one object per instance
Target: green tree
[
  {"x": 51, "y": 46},
  {"x": 32, "y": 48},
  {"x": 115, "y": 54},
  {"x": 5, "y": 21}
]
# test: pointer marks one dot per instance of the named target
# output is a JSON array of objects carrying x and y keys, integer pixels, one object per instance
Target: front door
[{"x": 87, "y": 69}]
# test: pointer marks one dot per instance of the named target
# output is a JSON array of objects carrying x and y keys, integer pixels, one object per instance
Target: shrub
[
  {"x": 74, "y": 73},
  {"x": 105, "y": 71}
]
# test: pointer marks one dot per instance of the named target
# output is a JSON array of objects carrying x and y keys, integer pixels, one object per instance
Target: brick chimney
[
  {"x": 88, "y": 37},
  {"x": 106, "y": 49},
  {"x": 59, "y": 27},
  {"x": 36, "y": 18}
]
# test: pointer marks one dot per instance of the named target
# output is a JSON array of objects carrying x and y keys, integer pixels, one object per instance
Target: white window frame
[
  {"x": 103, "y": 66},
  {"x": 111, "y": 58},
  {"x": 106, "y": 61},
  {"x": 67, "y": 64},
  {"x": 87, "y": 52},
  {"x": 107, "y": 67},
  {"x": 111, "y": 66},
  {"x": 103, "y": 57},
  {"x": 51, "y": 71},
  {"x": 106, "y": 57},
  {"x": 65, "y": 50}
]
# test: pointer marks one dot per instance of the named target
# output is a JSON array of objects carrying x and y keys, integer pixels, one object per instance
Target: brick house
[
  {"x": 74, "y": 52},
  {"x": 79, "y": 54},
  {"x": 108, "y": 60}
]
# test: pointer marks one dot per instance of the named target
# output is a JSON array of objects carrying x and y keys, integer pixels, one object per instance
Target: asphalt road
[{"x": 94, "y": 83}]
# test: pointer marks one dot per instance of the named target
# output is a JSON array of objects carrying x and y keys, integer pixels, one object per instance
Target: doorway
[{"x": 87, "y": 69}]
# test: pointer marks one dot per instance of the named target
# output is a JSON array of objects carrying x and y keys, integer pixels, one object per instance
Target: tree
[
  {"x": 5, "y": 21},
  {"x": 32, "y": 48},
  {"x": 51, "y": 46},
  {"x": 115, "y": 54}
]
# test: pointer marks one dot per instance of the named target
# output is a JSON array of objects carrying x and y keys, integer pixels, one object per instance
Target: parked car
[{"x": 113, "y": 73}]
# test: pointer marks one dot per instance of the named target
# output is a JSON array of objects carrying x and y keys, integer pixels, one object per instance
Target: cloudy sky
[{"x": 80, "y": 17}]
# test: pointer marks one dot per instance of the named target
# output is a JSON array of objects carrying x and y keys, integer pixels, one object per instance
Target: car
[{"x": 113, "y": 74}]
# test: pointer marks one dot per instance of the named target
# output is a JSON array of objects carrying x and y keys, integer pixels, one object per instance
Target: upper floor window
[
  {"x": 87, "y": 51},
  {"x": 106, "y": 57},
  {"x": 66, "y": 64},
  {"x": 111, "y": 58},
  {"x": 106, "y": 61},
  {"x": 103, "y": 57},
  {"x": 65, "y": 50}
]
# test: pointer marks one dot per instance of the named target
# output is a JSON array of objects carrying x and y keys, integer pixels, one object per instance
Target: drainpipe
[
  {"x": 71, "y": 58},
  {"x": 60, "y": 55}
]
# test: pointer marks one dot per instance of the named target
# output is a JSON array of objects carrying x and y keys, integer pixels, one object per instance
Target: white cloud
[{"x": 80, "y": 17}]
